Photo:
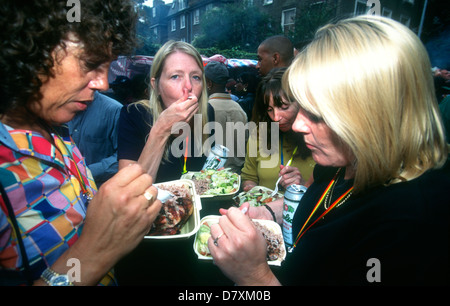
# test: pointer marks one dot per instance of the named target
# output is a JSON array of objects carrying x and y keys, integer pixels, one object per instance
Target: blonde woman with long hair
[
  {"x": 378, "y": 210},
  {"x": 148, "y": 128}
]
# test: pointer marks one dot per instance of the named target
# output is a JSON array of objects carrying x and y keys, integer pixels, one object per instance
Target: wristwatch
[{"x": 55, "y": 279}]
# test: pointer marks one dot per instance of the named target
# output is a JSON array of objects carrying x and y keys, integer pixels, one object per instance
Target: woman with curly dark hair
[{"x": 52, "y": 67}]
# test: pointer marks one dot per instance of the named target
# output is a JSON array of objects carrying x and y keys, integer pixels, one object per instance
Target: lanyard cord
[
  {"x": 333, "y": 181},
  {"x": 281, "y": 153},
  {"x": 281, "y": 150},
  {"x": 185, "y": 155},
  {"x": 51, "y": 130},
  {"x": 87, "y": 193}
]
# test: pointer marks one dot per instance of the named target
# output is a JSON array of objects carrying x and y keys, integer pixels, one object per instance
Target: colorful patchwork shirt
[{"x": 43, "y": 184}]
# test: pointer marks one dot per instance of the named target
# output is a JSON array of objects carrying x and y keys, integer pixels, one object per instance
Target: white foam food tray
[
  {"x": 193, "y": 223},
  {"x": 271, "y": 225},
  {"x": 189, "y": 175}
]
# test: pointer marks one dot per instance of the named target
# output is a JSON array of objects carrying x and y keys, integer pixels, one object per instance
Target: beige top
[{"x": 230, "y": 129}]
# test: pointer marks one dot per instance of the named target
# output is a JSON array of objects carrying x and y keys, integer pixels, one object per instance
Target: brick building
[{"x": 180, "y": 20}]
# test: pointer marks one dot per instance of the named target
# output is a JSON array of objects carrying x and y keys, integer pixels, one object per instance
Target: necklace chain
[
  {"x": 324, "y": 198},
  {"x": 329, "y": 196}
]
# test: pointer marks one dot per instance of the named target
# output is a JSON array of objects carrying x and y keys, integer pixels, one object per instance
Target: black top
[
  {"x": 399, "y": 233},
  {"x": 134, "y": 126}
]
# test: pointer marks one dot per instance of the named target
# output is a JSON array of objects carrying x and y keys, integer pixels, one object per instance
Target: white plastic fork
[
  {"x": 276, "y": 187},
  {"x": 278, "y": 181},
  {"x": 164, "y": 195}
]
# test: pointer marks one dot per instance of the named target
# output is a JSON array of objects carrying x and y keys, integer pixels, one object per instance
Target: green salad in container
[
  {"x": 216, "y": 182},
  {"x": 257, "y": 196},
  {"x": 203, "y": 235}
]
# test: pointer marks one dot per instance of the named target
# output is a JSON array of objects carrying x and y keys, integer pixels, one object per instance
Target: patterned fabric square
[{"x": 43, "y": 185}]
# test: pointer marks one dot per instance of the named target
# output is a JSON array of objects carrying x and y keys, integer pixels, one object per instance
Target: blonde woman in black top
[{"x": 378, "y": 210}]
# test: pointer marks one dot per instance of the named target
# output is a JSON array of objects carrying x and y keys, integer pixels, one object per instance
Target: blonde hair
[
  {"x": 369, "y": 79},
  {"x": 156, "y": 104}
]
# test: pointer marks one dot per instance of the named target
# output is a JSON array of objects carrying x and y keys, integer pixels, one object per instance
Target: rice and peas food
[{"x": 216, "y": 182}]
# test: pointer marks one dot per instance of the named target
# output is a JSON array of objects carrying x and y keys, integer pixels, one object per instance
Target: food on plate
[
  {"x": 257, "y": 196},
  {"x": 215, "y": 182},
  {"x": 203, "y": 234},
  {"x": 275, "y": 249},
  {"x": 274, "y": 239},
  {"x": 174, "y": 212}
]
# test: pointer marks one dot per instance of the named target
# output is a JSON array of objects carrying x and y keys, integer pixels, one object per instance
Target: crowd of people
[{"x": 78, "y": 167}]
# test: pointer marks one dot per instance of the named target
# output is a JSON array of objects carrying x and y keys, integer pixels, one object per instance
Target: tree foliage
[
  {"x": 310, "y": 19},
  {"x": 234, "y": 26},
  {"x": 235, "y": 30},
  {"x": 146, "y": 39}
]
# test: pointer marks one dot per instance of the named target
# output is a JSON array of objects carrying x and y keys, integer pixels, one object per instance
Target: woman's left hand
[
  {"x": 290, "y": 175},
  {"x": 240, "y": 251}
]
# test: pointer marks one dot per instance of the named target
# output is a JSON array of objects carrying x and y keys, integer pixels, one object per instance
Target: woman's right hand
[
  {"x": 182, "y": 110},
  {"x": 117, "y": 219},
  {"x": 239, "y": 250}
]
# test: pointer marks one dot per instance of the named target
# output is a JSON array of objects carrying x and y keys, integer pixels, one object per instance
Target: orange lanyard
[
  {"x": 303, "y": 230},
  {"x": 185, "y": 155}
]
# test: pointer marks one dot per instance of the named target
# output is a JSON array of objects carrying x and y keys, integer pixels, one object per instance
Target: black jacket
[{"x": 389, "y": 235}]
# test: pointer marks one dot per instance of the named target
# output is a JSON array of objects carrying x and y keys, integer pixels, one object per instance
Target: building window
[
  {"x": 182, "y": 4},
  {"x": 361, "y": 7},
  {"x": 405, "y": 20},
  {"x": 209, "y": 7},
  {"x": 268, "y": 2},
  {"x": 154, "y": 12},
  {"x": 288, "y": 20},
  {"x": 386, "y": 12},
  {"x": 196, "y": 16},
  {"x": 182, "y": 21},
  {"x": 174, "y": 25}
]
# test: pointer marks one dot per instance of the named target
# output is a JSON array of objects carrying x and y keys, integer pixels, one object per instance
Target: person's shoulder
[
  {"x": 435, "y": 178},
  {"x": 108, "y": 101},
  {"x": 136, "y": 111},
  {"x": 238, "y": 109},
  {"x": 137, "y": 108}
]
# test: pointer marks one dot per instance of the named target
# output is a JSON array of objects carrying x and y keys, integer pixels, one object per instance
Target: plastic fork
[
  {"x": 276, "y": 187},
  {"x": 164, "y": 195},
  {"x": 278, "y": 181}
]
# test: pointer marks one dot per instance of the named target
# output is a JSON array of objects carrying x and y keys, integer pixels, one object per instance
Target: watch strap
[
  {"x": 49, "y": 274},
  {"x": 271, "y": 212}
]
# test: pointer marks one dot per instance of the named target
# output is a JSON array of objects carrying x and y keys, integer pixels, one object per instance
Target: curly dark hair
[{"x": 30, "y": 31}]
